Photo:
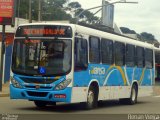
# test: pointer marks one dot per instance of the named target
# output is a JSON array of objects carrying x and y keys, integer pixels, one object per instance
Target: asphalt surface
[{"x": 111, "y": 109}]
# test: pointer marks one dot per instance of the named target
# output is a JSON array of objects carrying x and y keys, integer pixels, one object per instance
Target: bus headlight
[
  {"x": 63, "y": 84},
  {"x": 15, "y": 83}
]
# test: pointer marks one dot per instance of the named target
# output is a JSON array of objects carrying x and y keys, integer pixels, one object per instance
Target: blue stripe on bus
[{"x": 113, "y": 76}]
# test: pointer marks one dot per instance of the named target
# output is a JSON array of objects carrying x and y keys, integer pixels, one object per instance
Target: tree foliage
[
  {"x": 55, "y": 10},
  {"x": 127, "y": 30},
  {"x": 147, "y": 36},
  {"x": 74, "y": 5},
  {"x": 52, "y": 10},
  {"x": 144, "y": 36}
]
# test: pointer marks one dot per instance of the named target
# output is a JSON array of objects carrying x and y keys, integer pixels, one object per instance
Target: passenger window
[
  {"x": 140, "y": 57},
  {"x": 107, "y": 51},
  {"x": 119, "y": 53},
  {"x": 149, "y": 58},
  {"x": 94, "y": 50},
  {"x": 130, "y": 55}
]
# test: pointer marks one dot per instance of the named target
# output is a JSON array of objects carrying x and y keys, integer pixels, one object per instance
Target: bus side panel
[
  {"x": 80, "y": 86},
  {"x": 114, "y": 81},
  {"x": 145, "y": 84},
  {"x": 109, "y": 78}
]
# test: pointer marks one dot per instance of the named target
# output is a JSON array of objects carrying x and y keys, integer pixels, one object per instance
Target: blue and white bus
[{"x": 55, "y": 62}]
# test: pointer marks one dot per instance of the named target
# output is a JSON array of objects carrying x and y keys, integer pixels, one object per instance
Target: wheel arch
[
  {"x": 135, "y": 82},
  {"x": 95, "y": 84}
]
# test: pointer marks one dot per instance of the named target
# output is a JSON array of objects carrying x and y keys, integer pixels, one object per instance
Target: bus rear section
[{"x": 42, "y": 64}]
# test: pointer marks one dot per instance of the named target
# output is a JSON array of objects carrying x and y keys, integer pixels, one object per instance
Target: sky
[{"x": 141, "y": 17}]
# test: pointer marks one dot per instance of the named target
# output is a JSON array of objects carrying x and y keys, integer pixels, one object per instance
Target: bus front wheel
[
  {"x": 40, "y": 104},
  {"x": 91, "y": 98}
]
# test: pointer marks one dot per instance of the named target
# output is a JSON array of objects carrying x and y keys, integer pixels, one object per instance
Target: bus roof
[
  {"x": 114, "y": 37},
  {"x": 98, "y": 33}
]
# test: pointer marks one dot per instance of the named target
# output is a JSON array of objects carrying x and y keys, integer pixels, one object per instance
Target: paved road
[{"x": 145, "y": 105}]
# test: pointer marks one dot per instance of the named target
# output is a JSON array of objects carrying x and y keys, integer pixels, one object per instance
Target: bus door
[{"x": 80, "y": 62}]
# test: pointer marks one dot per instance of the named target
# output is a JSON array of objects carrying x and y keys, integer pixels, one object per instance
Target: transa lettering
[{"x": 44, "y": 32}]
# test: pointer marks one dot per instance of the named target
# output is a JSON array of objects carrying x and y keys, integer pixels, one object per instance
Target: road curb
[
  {"x": 5, "y": 90},
  {"x": 4, "y": 94},
  {"x": 156, "y": 90}
]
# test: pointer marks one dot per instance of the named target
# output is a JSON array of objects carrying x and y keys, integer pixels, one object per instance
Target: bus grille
[
  {"x": 38, "y": 80},
  {"x": 37, "y": 94},
  {"x": 34, "y": 87}
]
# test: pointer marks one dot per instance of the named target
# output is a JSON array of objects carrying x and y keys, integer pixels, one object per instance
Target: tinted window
[
  {"x": 107, "y": 51},
  {"x": 130, "y": 55},
  {"x": 119, "y": 53},
  {"x": 81, "y": 54},
  {"x": 149, "y": 58},
  {"x": 94, "y": 50},
  {"x": 140, "y": 57}
]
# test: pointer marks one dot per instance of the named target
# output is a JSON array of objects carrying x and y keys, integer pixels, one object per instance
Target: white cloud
[{"x": 141, "y": 17}]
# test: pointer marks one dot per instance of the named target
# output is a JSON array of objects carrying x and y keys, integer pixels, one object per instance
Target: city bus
[{"x": 55, "y": 62}]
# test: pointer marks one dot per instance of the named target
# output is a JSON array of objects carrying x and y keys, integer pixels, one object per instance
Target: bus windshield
[{"x": 41, "y": 56}]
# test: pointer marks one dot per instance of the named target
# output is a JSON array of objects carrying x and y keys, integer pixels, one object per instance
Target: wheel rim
[
  {"x": 90, "y": 98},
  {"x": 133, "y": 94}
]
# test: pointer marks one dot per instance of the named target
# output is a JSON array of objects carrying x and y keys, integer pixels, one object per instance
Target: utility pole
[
  {"x": 19, "y": 3},
  {"x": 2, "y": 56},
  {"x": 30, "y": 11},
  {"x": 39, "y": 10},
  {"x": 121, "y": 1}
]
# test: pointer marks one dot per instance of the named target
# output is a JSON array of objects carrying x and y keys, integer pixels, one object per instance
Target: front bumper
[{"x": 44, "y": 95}]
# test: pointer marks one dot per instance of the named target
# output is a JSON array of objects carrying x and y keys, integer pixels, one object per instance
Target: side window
[
  {"x": 81, "y": 54},
  {"x": 140, "y": 57},
  {"x": 107, "y": 51},
  {"x": 149, "y": 58},
  {"x": 130, "y": 55},
  {"x": 119, "y": 53},
  {"x": 94, "y": 50}
]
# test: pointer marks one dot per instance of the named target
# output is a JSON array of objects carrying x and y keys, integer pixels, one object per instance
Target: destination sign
[{"x": 44, "y": 31}]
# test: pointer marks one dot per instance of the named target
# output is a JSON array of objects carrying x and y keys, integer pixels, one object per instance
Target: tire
[
  {"x": 134, "y": 93},
  {"x": 40, "y": 104},
  {"x": 92, "y": 98},
  {"x": 133, "y": 97}
]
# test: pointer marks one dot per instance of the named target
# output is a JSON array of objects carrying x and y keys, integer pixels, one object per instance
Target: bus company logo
[
  {"x": 37, "y": 87},
  {"x": 97, "y": 70}
]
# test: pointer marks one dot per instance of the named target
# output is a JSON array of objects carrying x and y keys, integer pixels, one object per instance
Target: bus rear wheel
[
  {"x": 133, "y": 97},
  {"x": 40, "y": 104}
]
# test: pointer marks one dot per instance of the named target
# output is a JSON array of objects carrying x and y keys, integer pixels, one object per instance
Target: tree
[
  {"x": 147, "y": 36},
  {"x": 74, "y": 5},
  {"x": 57, "y": 3},
  {"x": 127, "y": 30},
  {"x": 23, "y": 8},
  {"x": 144, "y": 36},
  {"x": 56, "y": 10}
]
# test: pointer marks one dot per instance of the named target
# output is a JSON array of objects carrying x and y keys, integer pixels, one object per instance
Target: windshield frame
[{"x": 38, "y": 74}]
